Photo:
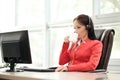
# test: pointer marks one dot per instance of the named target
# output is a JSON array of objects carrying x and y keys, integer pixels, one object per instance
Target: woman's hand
[
  {"x": 66, "y": 39},
  {"x": 61, "y": 69}
]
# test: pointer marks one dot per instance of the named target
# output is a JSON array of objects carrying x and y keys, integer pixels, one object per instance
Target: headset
[{"x": 88, "y": 26}]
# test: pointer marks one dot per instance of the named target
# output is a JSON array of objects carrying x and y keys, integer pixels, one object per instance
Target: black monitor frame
[{"x": 15, "y": 48}]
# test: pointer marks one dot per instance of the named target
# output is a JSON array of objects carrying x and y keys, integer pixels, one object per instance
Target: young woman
[{"x": 85, "y": 53}]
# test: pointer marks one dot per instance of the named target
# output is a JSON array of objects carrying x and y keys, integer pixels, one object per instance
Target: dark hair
[{"x": 87, "y": 21}]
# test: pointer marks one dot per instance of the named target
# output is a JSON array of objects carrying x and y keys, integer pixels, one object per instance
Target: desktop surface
[
  {"x": 58, "y": 76},
  {"x": 29, "y": 75},
  {"x": 52, "y": 76}
]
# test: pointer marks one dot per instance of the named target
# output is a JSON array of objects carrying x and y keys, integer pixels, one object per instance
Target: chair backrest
[{"x": 106, "y": 36}]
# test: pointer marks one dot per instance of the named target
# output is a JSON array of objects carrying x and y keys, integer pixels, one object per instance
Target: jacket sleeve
[
  {"x": 96, "y": 51},
  {"x": 64, "y": 54}
]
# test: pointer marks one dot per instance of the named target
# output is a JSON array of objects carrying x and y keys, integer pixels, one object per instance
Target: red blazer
[{"x": 83, "y": 58}]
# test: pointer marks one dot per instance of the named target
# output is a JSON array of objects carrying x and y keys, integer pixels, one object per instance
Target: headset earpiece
[{"x": 88, "y": 26}]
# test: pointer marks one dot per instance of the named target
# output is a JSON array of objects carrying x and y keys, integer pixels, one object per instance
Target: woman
[{"x": 84, "y": 55}]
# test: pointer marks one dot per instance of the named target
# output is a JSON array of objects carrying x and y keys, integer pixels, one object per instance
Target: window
[
  {"x": 109, "y": 6},
  {"x": 30, "y": 12},
  {"x": 56, "y": 40},
  {"x": 7, "y": 15},
  {"x": 116, "y": 48},
  {"x": 37, "y": 45},
  {"x": 64, "y": 10}
]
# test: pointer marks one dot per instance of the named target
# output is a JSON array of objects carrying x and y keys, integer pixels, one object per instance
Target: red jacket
[{"x": 85, "y": 58}]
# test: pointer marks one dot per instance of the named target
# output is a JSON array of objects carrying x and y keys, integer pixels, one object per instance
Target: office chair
[{"x": 106, "y": 36}]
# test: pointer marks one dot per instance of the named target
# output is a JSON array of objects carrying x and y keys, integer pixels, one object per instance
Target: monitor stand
[{"x": 12, "y": 67}]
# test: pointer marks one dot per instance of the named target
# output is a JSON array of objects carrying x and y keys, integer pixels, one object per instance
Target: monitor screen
[{"x": 15, "y": 47}]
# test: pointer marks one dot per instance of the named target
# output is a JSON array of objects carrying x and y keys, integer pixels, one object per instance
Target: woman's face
[{"x": 80, "y": 29}]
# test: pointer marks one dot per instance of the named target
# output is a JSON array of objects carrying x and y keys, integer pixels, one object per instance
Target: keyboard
[{"x": 39, "y": 70}]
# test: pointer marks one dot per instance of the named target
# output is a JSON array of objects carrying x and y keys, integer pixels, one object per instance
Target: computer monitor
[{"x": 15, "y": 48}]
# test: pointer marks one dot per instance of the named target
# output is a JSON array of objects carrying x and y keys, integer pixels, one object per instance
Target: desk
[{"x": 58, "y": 76}]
